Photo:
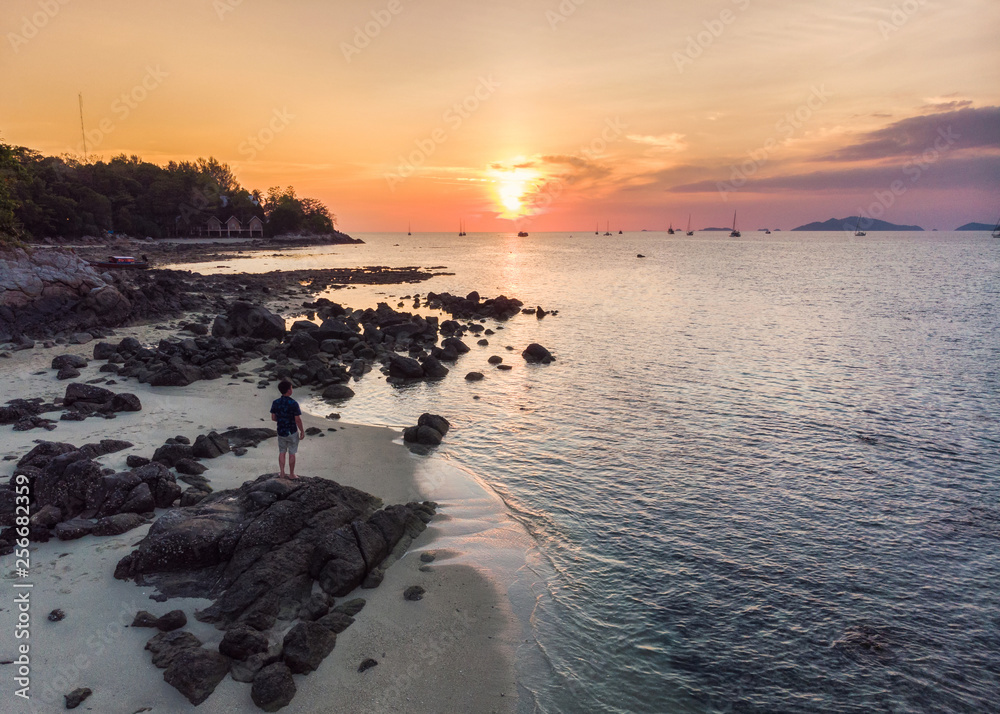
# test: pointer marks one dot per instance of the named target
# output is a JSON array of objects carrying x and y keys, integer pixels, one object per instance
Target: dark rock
[
  {"x": 246, "y": 320},
  {"x": 414, "y": 592},
  {"x": 336, "y": 622},
  {"x": 167, "y": 645},
  {"x": 535, "y": 353},
  {"x": 76, "y": 697},
  {"x": 438, "y": 423},
  {"x": 351, "y": 607},
  {"x": 433, "y": 369},
  {"x": 241, "y": 641},
  {"x": 192, "y": 496},
  {"x": 170, "y": 454},
  {"x": 67, "y": 373},
  {"x": 139, "y": 500},
  {"x": 210, "y": 446},
  {"x": 273, "y": 687},
  {"x": 74, "y": 361},
  {"x": 248, "y": 436},
  {"x": 404, "y": 367},
  {"x": 46, "y": 517},
  {"x": 367, "y": 664},
  {"x": 135, "y": 461},
  {"x": 77, "y": 392},
  {"x": 104, "y": 447},
  {"x": 74, "y": 528},
  {"x": 306, "y": 645},
  {"x": 125, "y": 402},
  {"x": 314, "y": 608},
  {"x": 338, "y": 392},
  {"x": 144, "y": 619},
  {"x": 57, "y": 615},
  {"x": 427, "y": 557},
  {"x": 495, "y": 359},
  {"x": 474, "y": 376},
  {"x": 173, "y": 620},
  {"x": 103, "y": 350},
  {"x": 118, "y": 524},
  {"x": 196, "y": 672},
  {"x": 176, "y": 375},
  {"x": 189, "y": 467},
  {"x": 239, "y": 451}
]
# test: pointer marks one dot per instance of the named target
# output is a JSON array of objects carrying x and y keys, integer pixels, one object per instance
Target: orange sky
[{"x": 544, "y": 115}]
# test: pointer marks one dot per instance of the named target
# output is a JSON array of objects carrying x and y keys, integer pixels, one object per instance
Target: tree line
[{"x": 50, "y": 196}]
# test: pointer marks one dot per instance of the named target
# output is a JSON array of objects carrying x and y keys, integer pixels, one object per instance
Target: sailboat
[
  {"x": 734, "y": 233},
  {"x": 996, "y": 229},
  {"x": 670, "y": 231},
  {"x": 689, "y": 231},
  {"x": 597, "y": 229},
  {"x": 408, "y": 231},
  {"x": 461, "y": 228},
  {"x": 607, "y": 229},
  {"x": 857, "y": 228}
]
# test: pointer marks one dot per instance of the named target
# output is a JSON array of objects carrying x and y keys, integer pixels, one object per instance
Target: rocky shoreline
[{"x": 272, "y": 555}]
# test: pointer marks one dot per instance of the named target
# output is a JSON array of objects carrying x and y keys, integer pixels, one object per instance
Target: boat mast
[{"x": 83, "y": 132}]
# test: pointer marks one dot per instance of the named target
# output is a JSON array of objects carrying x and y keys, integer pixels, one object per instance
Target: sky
[{"x": 533, "y": 115}]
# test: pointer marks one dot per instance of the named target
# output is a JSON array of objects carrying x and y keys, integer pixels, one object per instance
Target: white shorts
[{"x": 288, "y": 443}]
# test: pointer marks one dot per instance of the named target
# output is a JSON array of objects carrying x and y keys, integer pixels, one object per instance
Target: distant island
[
  {"x": 975, "y": 227},
  {"x": 850, "y": 223},
  {"x": 715, "y": 229}
]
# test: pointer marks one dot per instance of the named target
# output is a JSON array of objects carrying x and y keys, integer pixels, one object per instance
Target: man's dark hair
[{"x": 284, "y": 385}]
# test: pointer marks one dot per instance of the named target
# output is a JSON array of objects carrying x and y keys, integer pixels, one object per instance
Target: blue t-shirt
[{"x": 286, "y": 409}]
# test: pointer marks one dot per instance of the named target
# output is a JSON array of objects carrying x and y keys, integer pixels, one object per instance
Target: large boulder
[
  {"x": 306, "y": 645},
  {"x": 196, "y": 672},
  {"x": 273, "y": 687},
  {"x": 210, "y": 446},
  {"x": 257, "y": 550},
  {"x": 535, "y": 354},
  {"x": 77, "y": 392},
  {"x": 246, "y": 320}
]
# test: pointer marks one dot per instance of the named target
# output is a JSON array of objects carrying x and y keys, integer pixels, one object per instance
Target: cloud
[
  {"x": 975, "y": 128},
  {"x": 671, "y": 143},
  {"x": 958, "y": 172}
]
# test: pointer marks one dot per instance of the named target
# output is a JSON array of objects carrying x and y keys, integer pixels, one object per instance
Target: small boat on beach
[{"x": 126, "y": 262}]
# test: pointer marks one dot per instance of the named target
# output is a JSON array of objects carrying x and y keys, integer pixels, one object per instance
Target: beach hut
[{"x": 256, "y": 227}]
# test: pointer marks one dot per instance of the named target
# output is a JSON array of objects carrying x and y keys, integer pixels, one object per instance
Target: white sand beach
[{"x": 451, "y": 651}]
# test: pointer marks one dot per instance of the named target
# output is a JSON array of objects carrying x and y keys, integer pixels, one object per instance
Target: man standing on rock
[{"x": 285, "y": 411}]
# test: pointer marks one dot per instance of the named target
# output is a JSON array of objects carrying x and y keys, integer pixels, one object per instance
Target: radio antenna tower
[{"x": 83, "y": 132}]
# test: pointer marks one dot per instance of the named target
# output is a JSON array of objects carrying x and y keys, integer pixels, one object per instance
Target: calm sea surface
[{"x": 763, "y": 474}]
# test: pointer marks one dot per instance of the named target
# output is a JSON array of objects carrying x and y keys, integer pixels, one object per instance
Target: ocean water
[{"x": 763, "y": 474}]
